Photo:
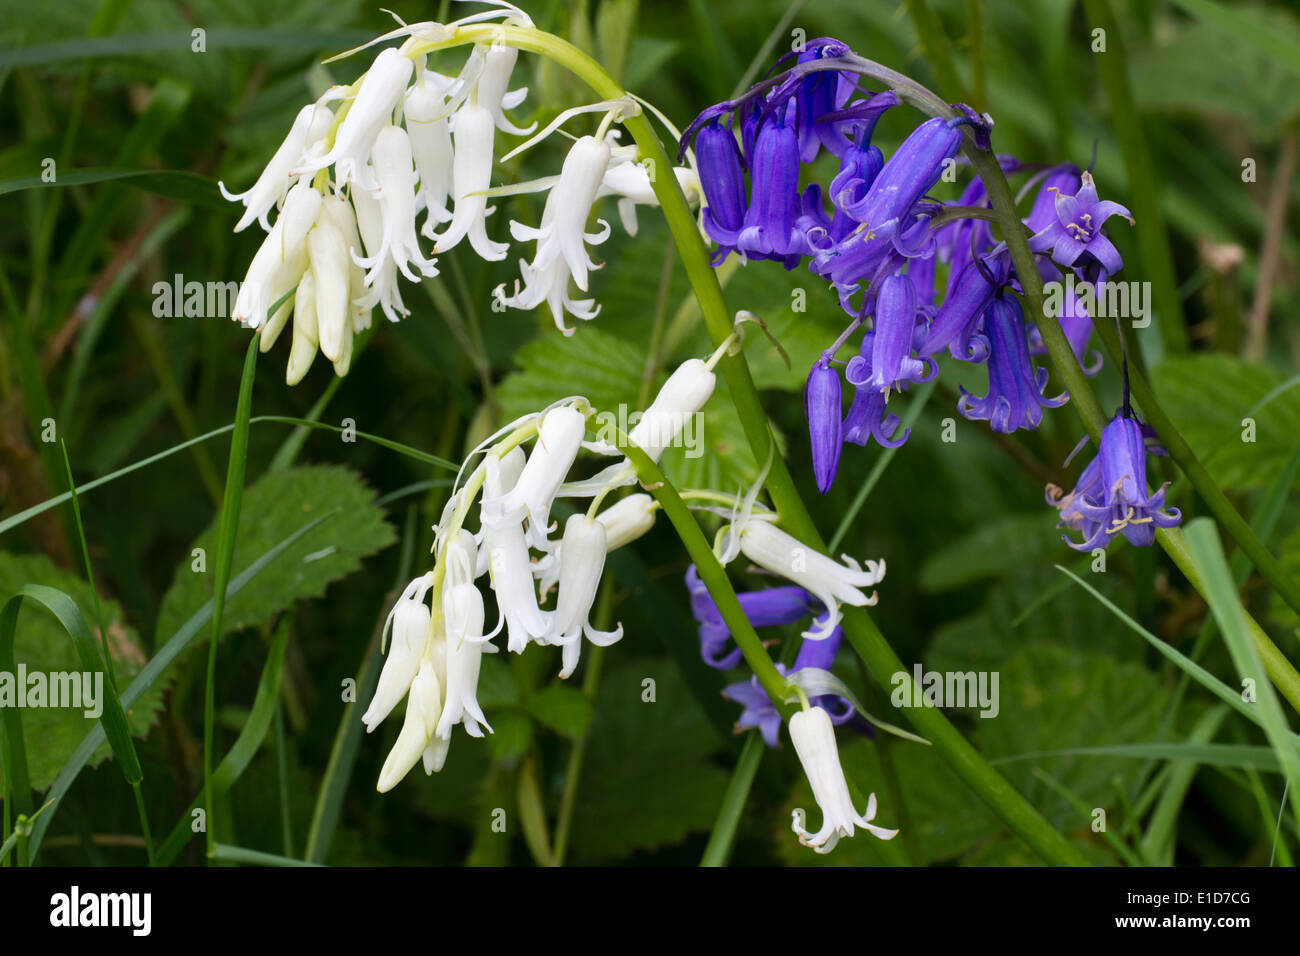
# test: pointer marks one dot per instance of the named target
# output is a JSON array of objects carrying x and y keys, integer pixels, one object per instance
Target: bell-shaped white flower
[
  {"x": 277, "y": 177},
  {"x": 381, "y": 280},
  {"x": 412, "y": 630},
  {"x": 370, "y": 111},
  {"x": 582, "y": 561},
  {"x": 493, "y": 80},
  {"x": 327, "y": 250},
  {"x": 281, "y": 259},
  {"x": 561, "y": 238},
  {"x": 559, "y": 439},
  {"x": 423, "y": 704},
  {"x": 305, "y": 338},
  {"x": 814, "y": 742},
  {"x": 682, "y": 396},
  {"x": 509, "y": 567},
  {"x": 430, "y": 134},
  {"x": 627, "y": 519},
  {"x": 630, "y": 182},
  {"x": 473, "y": 133},
  {"x": 462, "y": 608},
  {"x": 827, "y": 580},
  {"x": 395, "y": 174}
]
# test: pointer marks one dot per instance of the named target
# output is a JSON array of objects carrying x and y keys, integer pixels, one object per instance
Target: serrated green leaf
[
  {"x": 563, "y": 709},
  {"x": 647, "y": 781},
  {"x": 273, "y": 507},
  {"x": 51, "y": 734},
  {"x": 1053, "y": 698},
  {"x": 995, "y": 547},
  {"x": 1208, "y": 396},
  {"x": 603, "y": 367}
]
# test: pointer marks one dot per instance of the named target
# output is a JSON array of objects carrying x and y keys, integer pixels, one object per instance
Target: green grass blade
[
  {"x": 1242, "y": 23},
  {"x": 154, "y": 670},
  {"x": 1217, "y": 755},
  {"x": 228, "y": 529},
  {"x": 347, "y": 739},
  {"x": 1188, "y": 666},
  {"x": 27, "y": 514},
  {"x": 718, "y": 850},
  {"x": 1225, "y": 605},
  {"x": 246, "y": 745},
  {"x": 1162, "y": 831},
  {"x": 1083, "y": 809},
  {"x": 238, "y": 854}
]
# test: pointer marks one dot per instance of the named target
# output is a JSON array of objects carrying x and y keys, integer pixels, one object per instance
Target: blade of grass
[
  {"x": 228, "y": 528},
  {"x": 15, "y": 520},
  {"x": 1162, "y": 830},
  {"x": 1217, "y": 755},
  {"x": 154, "y": 670},
  {"x": 265, "y": 705},
  {"x": 238, "y": 854},
  {"x": 1225, "y": 605},
  {"x": 1144, "y": 192}
]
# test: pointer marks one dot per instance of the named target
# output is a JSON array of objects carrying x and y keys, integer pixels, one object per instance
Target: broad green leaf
[
  {"x": 563, "y": 709},
  {"x": 995, "y": 547},
  {"x": 272, "y": 508},
  {"x": 51, "y": 734},
  {"x": 1209, "y": 397},
  {"x": 512, "y": 733},
  {"x": 647, "y": 780},
  {"x": 1054, "y": 698}
]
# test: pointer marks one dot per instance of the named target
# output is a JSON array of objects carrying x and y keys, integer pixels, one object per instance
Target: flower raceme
[
  {"x": 363, "y": 163},
  {"x": 915, "y": 274},
  {"x": 439, "y": 620}
]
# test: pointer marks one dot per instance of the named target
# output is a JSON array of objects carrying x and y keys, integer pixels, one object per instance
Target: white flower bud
[
  {"x": 422, "y": 707},
  {"x": 559, "y": 440},
  {"x": 305, "y": 337},
  {"x": 682, "y": 396},
  {"x": 627, "y": 520}
]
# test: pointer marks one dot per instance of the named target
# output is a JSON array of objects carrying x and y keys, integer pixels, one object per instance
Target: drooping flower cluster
[
  {"x": 362, "y": 164},
  {"x": 917, "y": 275},
  {"x": 436, "y": 648}
]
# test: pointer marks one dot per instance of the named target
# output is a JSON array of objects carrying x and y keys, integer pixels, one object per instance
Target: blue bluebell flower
[
  {"x": 722, "y": 179},
  {"x": 1112, "y": 497},
  {"x": 822, "y": 405},
  {"x": 1015, "y": 396},
  {"x": 1075, "y": 232},
  {"x": 769, "y": 607}
]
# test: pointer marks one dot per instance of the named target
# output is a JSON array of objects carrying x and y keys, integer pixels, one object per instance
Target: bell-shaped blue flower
[
  {"x": 1112, "y": 496},
  {"x": 1015, "y": 397},
  {"x": 1075, "y": 230},
  {"x": 822, "y": 407}
]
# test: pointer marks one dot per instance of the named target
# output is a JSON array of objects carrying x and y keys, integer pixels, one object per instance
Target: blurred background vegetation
[{"x": 1192, "y": 114}]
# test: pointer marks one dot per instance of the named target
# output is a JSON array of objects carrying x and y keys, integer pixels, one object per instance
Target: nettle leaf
[
  {"x": 51, "y": 734},
  {"x": 648, "y": 780},
  {"x": 603, "y": 367},
  {"x": 1054, "y": 698},
  {"x": 563, "y": 709},
  {"x": 274, "y": 507},
  {"x": 1002, "y": 544},
  {"x": 1209, "y": 397}
]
